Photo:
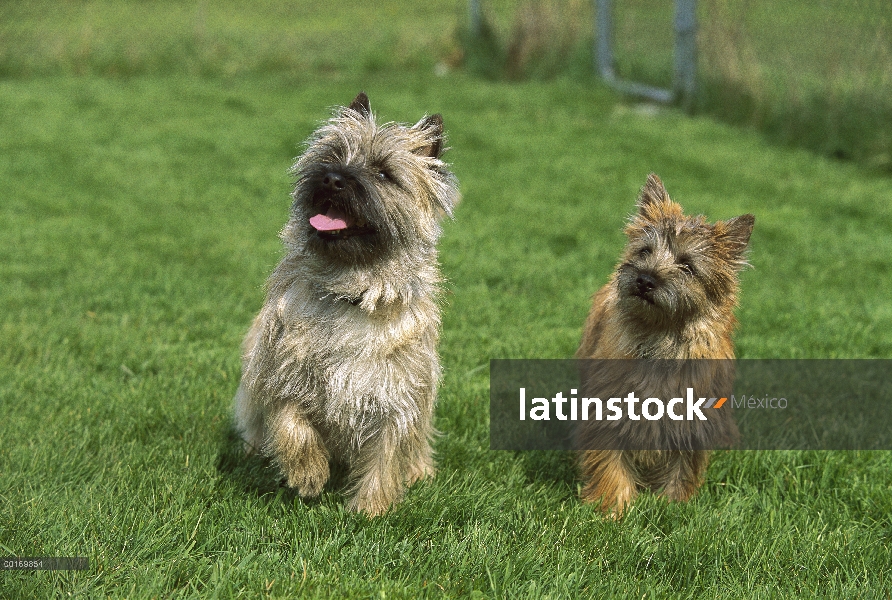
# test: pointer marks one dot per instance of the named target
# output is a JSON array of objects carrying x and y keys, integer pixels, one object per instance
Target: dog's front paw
[
  {"x": 612, "y": 500},
  {"x": 680, "y": 491},
  {"x": 307, "y": 473},
  {"x": 373, "y": 505}
]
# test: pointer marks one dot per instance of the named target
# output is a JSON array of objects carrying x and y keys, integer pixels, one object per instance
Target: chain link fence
[{"x": 812, "y": 73}]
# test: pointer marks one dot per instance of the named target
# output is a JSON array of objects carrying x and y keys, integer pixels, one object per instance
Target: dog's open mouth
[{"x": 331, "y": 223}]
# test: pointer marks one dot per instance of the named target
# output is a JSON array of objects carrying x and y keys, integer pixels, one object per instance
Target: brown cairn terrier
[
  {"x": 669, "y": 303},
  {"x": 341, "y": 363}
]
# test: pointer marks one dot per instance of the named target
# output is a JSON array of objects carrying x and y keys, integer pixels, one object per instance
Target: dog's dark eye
[
  {"x": 644, "y": 252},
  {"x": 687, "y": 267},
  {"x": 383, "y": 175}
]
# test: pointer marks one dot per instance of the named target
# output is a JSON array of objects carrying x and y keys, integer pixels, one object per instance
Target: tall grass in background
[
  {"x": 120, "y": 38},
  {"x": 815, "y": 74},
  {"x": 531, "y": 40},
  {"x": 811, "y": 74}
]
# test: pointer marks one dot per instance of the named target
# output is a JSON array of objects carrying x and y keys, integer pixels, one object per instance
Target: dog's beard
[
  {"x": 649, "y": 301},
  {"x": 348, "y": 225}
]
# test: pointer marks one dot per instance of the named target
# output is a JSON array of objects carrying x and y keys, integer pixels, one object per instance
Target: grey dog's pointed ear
[
  {"x": 433, "y": 125},
  {"x": 361, "y": 105}
]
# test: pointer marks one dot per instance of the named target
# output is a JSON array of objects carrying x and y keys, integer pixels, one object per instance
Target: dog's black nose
[
  {"x": 333, "y": 182},
  {"x": 645, "y": 283}
]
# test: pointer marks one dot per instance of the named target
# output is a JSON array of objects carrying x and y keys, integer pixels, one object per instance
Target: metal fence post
[
  {"x": 685, "y": 79},
  {"x": 604, "y": 37},
  {"x": 475, "y": 18}
]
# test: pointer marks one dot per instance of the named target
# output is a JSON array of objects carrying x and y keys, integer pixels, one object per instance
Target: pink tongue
[{"x": 333, "y": 220}]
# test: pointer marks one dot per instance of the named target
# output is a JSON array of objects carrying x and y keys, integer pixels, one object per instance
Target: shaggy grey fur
[{"x": 341, "y": 363}]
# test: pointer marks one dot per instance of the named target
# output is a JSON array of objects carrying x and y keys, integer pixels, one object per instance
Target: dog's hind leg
[
  {"x": 417, "y": 454},
  {"x": 684, "y": 475},
  {"x": 379, "y": 472},
  {"x": 419, "y": 457},
  {"x": 248, "y": 419}
]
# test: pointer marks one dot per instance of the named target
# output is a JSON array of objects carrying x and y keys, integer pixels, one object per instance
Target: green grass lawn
[{"x": 138, "y": 222}]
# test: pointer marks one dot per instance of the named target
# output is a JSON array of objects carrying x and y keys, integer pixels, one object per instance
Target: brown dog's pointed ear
[
  {"x": 434, "y": 127},
  {"x": 736, "y": 234},
  {"x": 361, "y": 105},
  {"x": 652, "y": 195},
  {"x": 654, "y": 203}
]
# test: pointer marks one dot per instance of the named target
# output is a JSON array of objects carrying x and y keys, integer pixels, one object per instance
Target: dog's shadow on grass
[{"x": 258, "y": 476}]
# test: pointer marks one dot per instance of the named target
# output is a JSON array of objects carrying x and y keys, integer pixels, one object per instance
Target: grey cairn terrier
[{"x": 341, "y": 363}]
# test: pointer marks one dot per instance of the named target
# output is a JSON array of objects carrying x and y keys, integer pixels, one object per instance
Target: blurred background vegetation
[{"x": 814, "y": 73}]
